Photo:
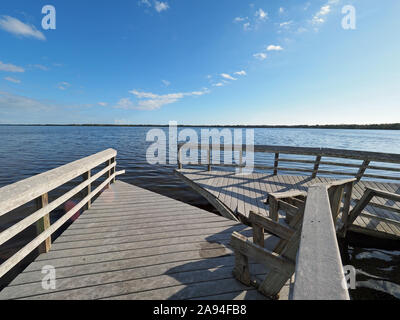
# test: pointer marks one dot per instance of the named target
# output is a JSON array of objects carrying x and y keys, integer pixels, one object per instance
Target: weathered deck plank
[
  {"x": 136, "y": 244},
  {"x": 255, "y": 187}
]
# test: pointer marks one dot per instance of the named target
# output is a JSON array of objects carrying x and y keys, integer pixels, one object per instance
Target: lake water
[{"x": 26, "y": 151}]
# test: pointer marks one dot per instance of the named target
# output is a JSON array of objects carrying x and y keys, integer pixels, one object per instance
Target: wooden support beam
[
  {"x": 273, "y": 208},
  {"x": 43, "y": 223},
  {"x": 209, "y": 160},
  {"x": 362, "y": 169},
  {"x": 270, "y": 226},
  {"x": 262, "y": 255},
  {"x": 88, "y": 189},
  {"x": 276, "y": 163},
  {"x": 316, "y": 166},
  {"x": 241, "y": 270},
  {"x": 179, "y": 157}
]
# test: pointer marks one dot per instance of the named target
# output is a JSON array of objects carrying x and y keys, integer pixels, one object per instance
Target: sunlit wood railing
[
  {"x": 36, "y": 189},
  {"x": 319, "y": 269},
  {"x": 365, "y": 159}
]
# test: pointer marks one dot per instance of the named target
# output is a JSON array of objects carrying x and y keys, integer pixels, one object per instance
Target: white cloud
[
  {"x": 319, "y": 18},
  {"x": 219, "y": 84},
  {"x": 274, "y": 48},
  {"x": 103, "y": 104},
  {"x": 227, "y": 76},
  {"x": 240, "y": 19},
  {"x": 10, "y": 67},
  {"x": 160, "y": 6},
  {"x": 286, "y": 24},
  {"x": 281, "y": 10},
  {"x": 260, "y": 56},
  {"x": 11, "y": 79},
  {"x": 246, "y": 26},
  {"x": 152, "y": 101},
  {"x": 261, "y": 14},
  {"x": 241, "y": 73},
  {"x": 166, "y": 83},
  {"x": 63, "y": 85},
  {"x": 145, "y": 2},
  {"x": 19, "y": 28}
]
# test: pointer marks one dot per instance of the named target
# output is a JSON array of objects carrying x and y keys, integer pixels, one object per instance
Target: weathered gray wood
[
  {"x": 43, "y": 223},
  {"x": 248, "y": 192},
  {"x": 362, "y": 169},
  {"x": 19, "y": 193},
  {"x": 316, "y": 166},
  {"x": 88, "y": 189},
  {"x": 262, "y": 255},
  {"x": 191, "y": 260},
  {"x": 270, "y": 226},
  {"x": 319, "y": 272},
  {"x": 276, "y": 163},
  {"x": 326, "y": 152},
  {"x": 28, "y": 248},
  {"x": 26, "y": 222}
]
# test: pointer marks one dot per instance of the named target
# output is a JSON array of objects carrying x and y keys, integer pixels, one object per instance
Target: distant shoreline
[{"x": 385, "y": 126}]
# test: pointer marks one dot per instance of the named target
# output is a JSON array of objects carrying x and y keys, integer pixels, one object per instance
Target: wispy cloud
[
  {"x": 219, "y": 84},
  {"x": 260, "y": 56},
  {"x": 227, "y": 76},
  {"x": 18, "y": 28},
  {"x": 281, "y": 10},
  {"x": 241, "y": 73},
  {"x": 274, "y": 48},
  {"x": 261, "y": 14},
  {"x": 160, "y": 6},
  {"x": 103, "y": 104},
  {"x": 152, "y": 101},
  {"x": 63, "y": 85},
  {"x": 11, "y": 79},
  {"x": 10, "y": 67},
  {"x": 166, "y": 83},
  {"x": 319, "y": 17}
]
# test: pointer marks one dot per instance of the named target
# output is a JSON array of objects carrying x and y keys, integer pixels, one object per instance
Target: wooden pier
[
  {"x": 235, "y": 194},
  {"x": 136, "y": 244},
  {"x": 276, "y": 237}
]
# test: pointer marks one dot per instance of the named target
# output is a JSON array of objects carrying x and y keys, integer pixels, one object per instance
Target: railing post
[
  {"x": 88, "y": 189},
  {"x": 43, "y": 223},
  {"x": 241, "y": 159},
  {"x": 179, "y": 158},
  {"x": 209, "y": 159},
  {"x": 276, "y": 163},
  {"x": 113, "y": 169},
  {"x": 362, "y": 169},
  {"x": 316, "y": 167}
]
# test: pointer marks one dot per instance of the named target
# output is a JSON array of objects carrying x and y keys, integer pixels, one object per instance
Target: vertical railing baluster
[
  {"x": 316, "y": 167},
  {"x": 179, "y": 157},
  {"x": 88, "y": 189},
  {"x": 363, "y": 167},
  {"x": 43, "y": 223},
  {"x": 276, "y": 163}
]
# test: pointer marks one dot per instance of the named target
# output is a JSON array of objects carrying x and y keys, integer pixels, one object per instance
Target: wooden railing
[
  {"x": 364, "y": 157},
  {"x": 370, "y": 193},
  {"x": 37, "y": 188},
  {"x": 319, "y": 270}
]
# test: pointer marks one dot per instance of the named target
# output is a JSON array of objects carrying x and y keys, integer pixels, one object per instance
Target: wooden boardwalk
[
  {"x": 235, "y": 195},
  {"x": 136, "y": 244}
]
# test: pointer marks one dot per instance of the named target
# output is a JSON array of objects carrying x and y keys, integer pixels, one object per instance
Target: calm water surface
[{"x": 27, "y": 151}]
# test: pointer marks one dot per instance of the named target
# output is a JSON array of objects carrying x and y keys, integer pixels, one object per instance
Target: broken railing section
[
  {"x": 363, "y": 202},
  {"x": 279, "y": 159},
  {"x": 307, "y": 243},
  {"x": 37, "y": 188}
]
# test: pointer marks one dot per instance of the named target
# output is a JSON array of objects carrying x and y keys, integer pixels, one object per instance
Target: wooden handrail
[
  {"x": 21, "y": 192},
  {"x": 365, "y": 157},
  {"x": 319, "y": 270},
  {"x": 37, "y": 187},
  {"x": 369, "y": 193}
]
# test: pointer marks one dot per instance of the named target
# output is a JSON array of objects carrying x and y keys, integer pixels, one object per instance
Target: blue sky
[{"x": 200, "y": 62}]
